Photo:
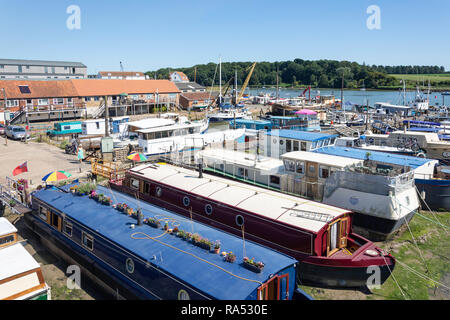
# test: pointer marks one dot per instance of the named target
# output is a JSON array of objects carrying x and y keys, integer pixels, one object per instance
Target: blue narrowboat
[
  {"x": 64, "y": 128},
  {"x": 138, "y": 259}
]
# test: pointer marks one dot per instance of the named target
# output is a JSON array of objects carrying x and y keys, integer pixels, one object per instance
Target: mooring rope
[{"x": 146, "y": 236}]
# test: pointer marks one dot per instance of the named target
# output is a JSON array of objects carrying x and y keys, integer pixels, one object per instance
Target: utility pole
[
  {"x": 6, "y": 120},
  {"x": 106, "y": 117}
]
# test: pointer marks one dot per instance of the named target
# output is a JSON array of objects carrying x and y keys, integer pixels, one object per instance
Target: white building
[
  {"x": 128, "y": 75},
  {"x": 13, "y": 69}
]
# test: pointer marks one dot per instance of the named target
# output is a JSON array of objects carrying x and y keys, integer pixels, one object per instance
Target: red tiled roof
[
  {"x": 84, "y": 88},
  {"x": 38, "y": 89},
  {"x": 182, "y": 75}
]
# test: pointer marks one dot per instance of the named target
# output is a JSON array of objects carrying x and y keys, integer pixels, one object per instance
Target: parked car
[
  {"x": 16, "y": 132},
  {"x": 2, "y": 129}
]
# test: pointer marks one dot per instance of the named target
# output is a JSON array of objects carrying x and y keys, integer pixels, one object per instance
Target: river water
[{"x": 357, "y": 96}]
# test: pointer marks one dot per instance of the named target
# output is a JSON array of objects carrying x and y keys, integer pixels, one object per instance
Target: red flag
[{"x": 20, "y": 169}]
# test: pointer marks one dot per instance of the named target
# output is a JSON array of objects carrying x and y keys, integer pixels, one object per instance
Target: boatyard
[{"x": 157, "y": 166}]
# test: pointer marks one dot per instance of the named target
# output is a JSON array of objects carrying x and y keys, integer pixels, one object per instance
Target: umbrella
[
  {"x": 56, "y": 176},
  {"x": 137, "y": 156}
]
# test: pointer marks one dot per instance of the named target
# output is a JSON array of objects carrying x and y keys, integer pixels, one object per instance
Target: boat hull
[
  {"x": 377, "y": 228},
  {"x": 437, "y": 193}
]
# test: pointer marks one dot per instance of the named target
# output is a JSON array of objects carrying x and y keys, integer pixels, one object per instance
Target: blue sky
[{"x": 150, "y": 34}]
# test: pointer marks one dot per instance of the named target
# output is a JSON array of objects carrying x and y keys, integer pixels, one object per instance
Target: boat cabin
[
  {"x": 277, "y": 142},
  {"x": 65, "y": 128},
  {"x": 97, "y": 126},
  {"x": 20, "y": 274}
]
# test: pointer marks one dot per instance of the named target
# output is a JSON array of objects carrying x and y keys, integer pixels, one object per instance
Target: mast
[
  {"x": 278, "y": 91},
  {"x": 220, "y": 80}
]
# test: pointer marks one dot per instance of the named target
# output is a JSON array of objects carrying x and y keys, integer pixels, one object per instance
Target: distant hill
[{"x": 317, "y": 73}]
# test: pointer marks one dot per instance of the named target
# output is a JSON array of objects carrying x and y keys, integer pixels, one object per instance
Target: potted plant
[
  {"x": 106, "y": 201},
  {"x": 153, "y": 222},
  {"x": 204, "y": 244},
  {"x": 217, "y": 245},
  {"x": 175, "y": 230},
  {"x": 187, "y": 236},
  {"x": 195, "y": 238},
  {"x": 230, "y": 257},
  {"x": 12, "y": 203},
  {"x": 94, "y": 195},
  {"x": 74, "y": 189},
  {"x": 166, "y": 226},
  {"x": 252, "y": 265},
  {"x": 181, "y": 234}
]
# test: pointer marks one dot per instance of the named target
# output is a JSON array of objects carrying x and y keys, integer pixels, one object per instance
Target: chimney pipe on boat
[
  {"x": 200, "y": 168},
  {"x": 140, "y": 217}
]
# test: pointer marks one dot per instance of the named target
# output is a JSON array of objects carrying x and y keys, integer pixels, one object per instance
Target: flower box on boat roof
[{"x": 299, "y": 212}]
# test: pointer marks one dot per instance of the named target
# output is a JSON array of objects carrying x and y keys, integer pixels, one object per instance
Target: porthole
[
  {"x": 239, "y": 220},
  {"x": 129, "y": 264},
  {"x": 186, "y": 201},
  {"x": 208, "y": 209},
  {"x": 158, "y": 191},
  {"x": 183, "y": 295},
  {"x": 275, "y": 141},
  {"x": 281, "y": 142}
]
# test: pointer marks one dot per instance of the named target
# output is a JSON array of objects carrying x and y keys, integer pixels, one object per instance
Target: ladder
[{"x": 324, "y": 217}]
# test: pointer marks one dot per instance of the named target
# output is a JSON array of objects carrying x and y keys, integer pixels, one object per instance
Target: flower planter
[
  {"x": 154, "y": 224},
  {"x": 252, "y": 267},
  {"x": 216, "y": 250},
  {"x": 203, "y": 245}
]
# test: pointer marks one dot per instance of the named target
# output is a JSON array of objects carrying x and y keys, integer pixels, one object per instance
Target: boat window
[
  {"x": 7, "y": 239},
  {"x": 87, "y": 241},
  {"x": 314, "y": 145},
  {"x": 157, "y": 135},
  {"x": 289, "y": 165},
  {"x": 312, "y": 168},
  {"x": 288, "y": 145},
  {"x": 191, "y": 130},
  {"x": 320, "y": 143},
  {"x": 170, "y": 133},
  {"x": 208, "y": 209},
  {"x": 43, "y": 213},
  {"x": 281, "y": 141},
  {"x": 186, "y": 201},
  {"x": 303, "y": 146},
  {"x": 333, "y": 140},
  {"x": 243, "y": 172},
  {"x": 295, "y": 147},
  {"x": 55, "y": 220},
  {"x": 146, "y": 187},
  {"x": 164, "y": 134},
  {"x": 158, "y": 191},
  {"x": 129, "y": 264},
  {"x": 300, "y": 167},
  {"x": 324, "y": 172},
  {"x": 239, "y": 220},
  {"x": 68, "y": 228},
  {"x": 275, "y": 179},
  {"x": 134, "y": 183},
  {"x": 183, "y": 295}
]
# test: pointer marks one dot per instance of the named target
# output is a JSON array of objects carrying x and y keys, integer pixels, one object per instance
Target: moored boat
[{"x": 318, "y": 235}]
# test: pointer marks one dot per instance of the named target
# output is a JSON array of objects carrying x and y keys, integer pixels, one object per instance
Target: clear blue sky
[{"x": 150, "y": 34}]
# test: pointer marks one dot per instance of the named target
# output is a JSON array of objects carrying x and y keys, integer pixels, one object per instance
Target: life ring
[{"x": 421, "y": 155}]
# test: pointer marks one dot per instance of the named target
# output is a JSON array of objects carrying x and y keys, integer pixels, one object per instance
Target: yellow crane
[{"x": 244, "y": 86}]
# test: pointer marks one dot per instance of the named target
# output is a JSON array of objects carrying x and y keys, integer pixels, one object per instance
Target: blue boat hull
[{"x": 437, "y": 193}]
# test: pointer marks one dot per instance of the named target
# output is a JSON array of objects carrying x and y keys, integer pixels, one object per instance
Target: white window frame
[
  {"x": 70, "y": 225},
  {"x": 86, "y": 235},
  {"x": 40, "y": 102},
  {"x": 58, "y": 101},
  {"x": 12, "y": 103},
  {"x": 132, "y": 185},
  {"x": 41, "y": 213}
]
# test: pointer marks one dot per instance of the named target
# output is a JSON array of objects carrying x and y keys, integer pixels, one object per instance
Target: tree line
[{"x": 318, "y": 73}]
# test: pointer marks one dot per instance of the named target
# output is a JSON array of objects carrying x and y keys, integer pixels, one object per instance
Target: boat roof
[
  {"x": 181, "y": 259},
  {"x": 6, "y": 227},
  {"x": 320, "y": 158},
  {"x": 15, "y": 259},
  {"x": 241, "y": 158},
  {"x": 171, "y": 127},
  {"x": 151, "y": 122},
  {"x": 301, "y": 135},
  {"x": 267, "y": 203},
  {"x": 253, "y": 121},
  {"x": 402, "y": 160}
]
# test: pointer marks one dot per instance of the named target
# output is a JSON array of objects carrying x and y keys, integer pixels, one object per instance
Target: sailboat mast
[
  {"x": 220, "y": 80},
  {"x": 278, "y": 90}
]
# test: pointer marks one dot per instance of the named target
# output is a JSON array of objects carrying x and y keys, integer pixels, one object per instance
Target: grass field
[
  {"x": 424, "y": 247},
  {"x": 436, "y": 80}
]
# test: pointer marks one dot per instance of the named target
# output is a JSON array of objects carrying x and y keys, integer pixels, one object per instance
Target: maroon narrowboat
[{"x": 319, "y": 236}]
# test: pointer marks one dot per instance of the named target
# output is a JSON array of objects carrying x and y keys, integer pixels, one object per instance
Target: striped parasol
[
  {"x": 137, "y": 156},
  {"x": 56, "y": 176}
]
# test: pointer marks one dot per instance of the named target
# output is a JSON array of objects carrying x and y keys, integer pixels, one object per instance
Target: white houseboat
[{"x": 20, "y": 274}]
